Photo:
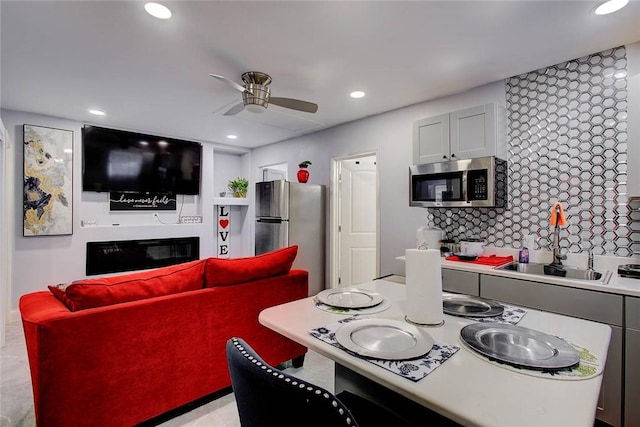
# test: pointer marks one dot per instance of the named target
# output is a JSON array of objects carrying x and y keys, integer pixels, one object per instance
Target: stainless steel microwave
[{"x": 480, "y": 182}]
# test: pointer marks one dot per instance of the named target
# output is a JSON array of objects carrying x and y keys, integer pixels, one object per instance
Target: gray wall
[
  {"x": 42, "y": 260},
  {"x": 390, "y": 135},
  {"x": 567, "y": 142},
  {"x": 610, "y": 225},
  {"x": 38, "y": 261}
]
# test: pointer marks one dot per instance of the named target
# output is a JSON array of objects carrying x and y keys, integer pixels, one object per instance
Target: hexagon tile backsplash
[{"x": 567, "y": 142}]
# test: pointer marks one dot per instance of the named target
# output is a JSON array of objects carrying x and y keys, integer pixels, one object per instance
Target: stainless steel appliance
[
  {"x": 289, "y": 213},
  {"x": 631, "y": 271},
  {"x": 461, "y": 183}
]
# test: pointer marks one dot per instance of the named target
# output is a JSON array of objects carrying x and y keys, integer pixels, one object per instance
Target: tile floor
[{"x": 16, "y": 398}]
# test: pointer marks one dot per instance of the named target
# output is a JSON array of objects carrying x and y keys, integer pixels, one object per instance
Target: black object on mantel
[{"x": 631, "y": 271}]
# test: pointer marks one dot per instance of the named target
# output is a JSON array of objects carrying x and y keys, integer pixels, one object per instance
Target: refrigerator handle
[{"x": 270, "y": 220}]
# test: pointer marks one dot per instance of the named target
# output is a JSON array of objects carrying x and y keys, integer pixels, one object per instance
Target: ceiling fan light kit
[{"x": 256, "y": 95}]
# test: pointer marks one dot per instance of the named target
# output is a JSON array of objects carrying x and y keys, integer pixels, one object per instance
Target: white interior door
[
  {"x": 357, "y": 220},
  {"x": 4, "y": 233}
]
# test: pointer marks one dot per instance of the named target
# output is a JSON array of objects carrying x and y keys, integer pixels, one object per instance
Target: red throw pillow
[
  {"x": 220, "y": 272},
  {"x": 103, "y": 291}
]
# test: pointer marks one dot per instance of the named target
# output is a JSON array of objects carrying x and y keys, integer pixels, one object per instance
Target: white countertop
[
  {"x": 466, "y": 388},
  {"x": 617, "y": 285}
]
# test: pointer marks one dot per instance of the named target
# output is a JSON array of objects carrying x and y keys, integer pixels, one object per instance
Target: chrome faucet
[{"x": 557, "y": 256}]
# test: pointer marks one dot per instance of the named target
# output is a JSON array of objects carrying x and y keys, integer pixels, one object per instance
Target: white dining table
[{"x": 467, "y": 388}]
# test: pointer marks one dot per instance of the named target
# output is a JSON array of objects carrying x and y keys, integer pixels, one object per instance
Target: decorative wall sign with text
[
  {"x": 224, "y": 225},
  {"x": 47, "y": 203},
  {"x": 142, "y": 201}
]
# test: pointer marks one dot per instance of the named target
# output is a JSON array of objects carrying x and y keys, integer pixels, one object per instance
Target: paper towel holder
[{"x": 424, "y": 325}]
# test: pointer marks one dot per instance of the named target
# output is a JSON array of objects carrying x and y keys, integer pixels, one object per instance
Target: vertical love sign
[{"x": 224, "y": 225}]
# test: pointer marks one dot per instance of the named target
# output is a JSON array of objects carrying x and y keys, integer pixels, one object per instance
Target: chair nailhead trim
[{"x": 301, "y": 385}]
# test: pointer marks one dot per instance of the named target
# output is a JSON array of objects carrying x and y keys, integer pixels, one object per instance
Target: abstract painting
[{"x": 48, "y": 181}]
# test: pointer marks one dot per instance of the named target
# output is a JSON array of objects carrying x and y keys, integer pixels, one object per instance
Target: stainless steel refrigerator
[{"x": 289, "y": 213}]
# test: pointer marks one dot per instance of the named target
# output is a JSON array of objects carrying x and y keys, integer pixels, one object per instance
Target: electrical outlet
[{"x": 190, "y": 219}]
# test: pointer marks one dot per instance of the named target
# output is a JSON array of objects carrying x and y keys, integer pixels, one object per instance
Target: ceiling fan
[{"x": 256, "y": 95}]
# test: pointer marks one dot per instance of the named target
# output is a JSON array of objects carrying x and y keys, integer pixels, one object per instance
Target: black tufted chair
[{"x": 268, "y": 397}]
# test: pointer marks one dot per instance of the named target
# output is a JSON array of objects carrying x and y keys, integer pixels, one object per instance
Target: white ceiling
[{"x": 63, "y": 57}]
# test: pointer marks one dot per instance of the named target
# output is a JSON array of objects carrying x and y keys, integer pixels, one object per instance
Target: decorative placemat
[
  {"x": 588, "y": 367},
  {"x": 511, "y": 314},
  {"x": 385, "y": 304},
  {"x": 412, "y": 369}
]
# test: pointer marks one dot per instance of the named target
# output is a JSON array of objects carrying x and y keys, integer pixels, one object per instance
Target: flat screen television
[{"x": 115, "y": 160}]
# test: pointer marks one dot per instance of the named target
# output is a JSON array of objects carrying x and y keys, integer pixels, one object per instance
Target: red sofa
[{"x": 120, "y": 350}]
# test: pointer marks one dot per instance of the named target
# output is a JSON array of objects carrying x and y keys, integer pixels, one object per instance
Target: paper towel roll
[{"x": 424, "y": 286}]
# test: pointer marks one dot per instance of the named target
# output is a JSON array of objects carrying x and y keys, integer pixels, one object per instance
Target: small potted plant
[
  {"x": 303, "y": 173},
  {"x": 239, "y": 187}
]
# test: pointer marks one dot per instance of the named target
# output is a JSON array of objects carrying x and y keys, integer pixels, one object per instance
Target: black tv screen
[{"x": 115, "y": 160}]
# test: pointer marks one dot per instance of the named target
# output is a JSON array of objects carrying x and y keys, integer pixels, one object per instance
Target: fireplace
[{"x": 129, "y": 255}]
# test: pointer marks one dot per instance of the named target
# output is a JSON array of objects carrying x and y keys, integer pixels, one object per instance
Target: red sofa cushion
[
  {"x": 103, "y": 291},
  {"x": 221, "y": 272}
]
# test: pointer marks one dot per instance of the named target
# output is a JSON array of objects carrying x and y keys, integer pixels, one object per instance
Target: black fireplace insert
[{"x": 129, "y": 255}]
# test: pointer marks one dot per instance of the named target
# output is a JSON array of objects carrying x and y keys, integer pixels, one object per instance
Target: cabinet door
[
  {"x": 461, "y": 282},
  {"x": 473, "y": 132},
  {"x": 431, "y": 140},
  {"x": 609, "y": 407},
  {"x": 632, "y": 367},
  {"x": 632, "y": 378},
  {"x": 591, "y": 305}
]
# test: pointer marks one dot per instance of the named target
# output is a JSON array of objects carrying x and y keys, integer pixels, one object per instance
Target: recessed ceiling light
[
  {"x": 157, "y": 10},
  {"x": 357, "y": 94},
  {"x": 97, "y": 112},
  {"x": 611, "y": 6},
  {"x": 232, "y": 136}
]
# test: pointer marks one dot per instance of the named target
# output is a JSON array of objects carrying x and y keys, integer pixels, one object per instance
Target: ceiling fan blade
[
  {"x": 294, "y": 104},
  {"x": 234, "y": 110},
  {"x": 231, "y": 83}
]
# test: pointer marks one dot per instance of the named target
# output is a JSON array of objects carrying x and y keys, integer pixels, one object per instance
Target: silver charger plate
[
  {"x": 349, "y": 298},
  {"x": 384, "y": 339},
  {"x": 519, "y": 346},
  {"x": 470, "y": 306}
]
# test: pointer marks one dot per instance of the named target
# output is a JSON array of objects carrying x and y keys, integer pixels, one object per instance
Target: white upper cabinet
[
  {"x": 464, "y": 134},
  {"x": 431, "y": 140}
]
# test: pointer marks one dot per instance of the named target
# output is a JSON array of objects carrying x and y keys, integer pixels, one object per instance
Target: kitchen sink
[{"x": 564, "y": 271}]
